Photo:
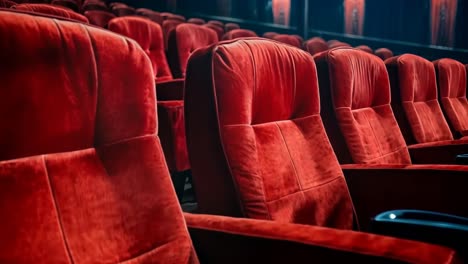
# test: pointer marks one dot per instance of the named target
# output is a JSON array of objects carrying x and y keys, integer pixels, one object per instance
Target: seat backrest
[
  {"x": 99, "y": 18},
  {"x": 91, "y": 6},
  {"x": 383, "y": 53},
  {"x": 216, "y": 22},
  {"x": 414, "y": 99},
  {"x": 167, "y": 15},
  {"x": 289, "y": 39},
  {"x": 184, "y": 40},
  {"x": 365, "y": 48},
  {"x": 168, "y": 26},
  {"x": 151, "y": 15},
  {"x": 67, "y": 3},
  {"x": 218, "y": 29},
  {"x": 7, "y": 3},
  {"x": 356, "y": 111},
  {"x": 51, "y": 10},
  {"x": 451, "y": 78},
  {"x": 315, "y": 45},
  {"x": 231, "y": 26},
  {"x": 337, "y": 44},
  {"x": 150, "y": 37},
  {"x": 197, "y": 21},
  {"x": 255, "y": 138},
  {"x": 123, "y": 11},
  {"x": 82, "y": 173},
  {"x": 269, "y": 35},
  {"x": 239, "y": 33}
]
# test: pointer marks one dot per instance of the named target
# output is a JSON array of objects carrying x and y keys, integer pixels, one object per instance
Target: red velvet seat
[
  {"x": 256, "y": 141},
  {"x": 239, "y": 33},
  {"x": 231, "y": 26},
  {"x": 91, "y": 186},
  {"x": 123, "y": 11},
  {"x": 383, "y": 53},
  {"x": 315, "y": 45},
  {"x": 7, "y": 3},
  {"x": 99, "y": 18},
  {"x": 67, "y": 3},
  {"x": 184, "y": 40},
  {"x": 197, "y": 21},
  {"x": 167, "y": 15},
  {"x": 451, "y": 79},
  {"x": 355, "y": 96},
  {"x": 92, "y": 6},
  {"x": 292, "y": 40},
  {"x": 151, "y": 15},
  {"x": 168, "y": 26},
  {"x": 337, "y": 44},
  {"x": 365, "y": 48},
  {"x": 269, "y": 35},
  {"x": 170, "y": 107},
  {"x": 414, "y": 101},
  {"x": 216, "y": 22},
  {"x": 218, "y": 29},
  {"x": 51, "y": 10}
]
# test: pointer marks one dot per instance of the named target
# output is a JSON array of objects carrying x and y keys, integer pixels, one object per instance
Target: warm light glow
[
  {"x": 443, "y": 15},
  {"x": 354, "y": 16},
  {"x": 281, "y": 11}
]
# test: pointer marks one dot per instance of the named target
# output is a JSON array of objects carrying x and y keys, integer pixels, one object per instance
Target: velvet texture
[
  {"x": 315, "y": 45},
  {"x": 197, "y": 21},
  {"x": 239, "y": 33},
  {"x": 216, "y": 22},
  {"x": 99, "y": 18},
  {"x": 355, "y": 96},
  {"x": 292, "y": 40},
  {"x": 123, "y": 11},
  {"x": 217, "y": 28},
  {"x": 150, "y": 37},
  {"x": 383, "y": 53},
  {"x": 269, "y": 35},
  {"x": 7, "y": 3},
  {"x": 338, "y": 44},
  {"x": 169, "y": 26},
  {"x": 170, "y": 16},
  {"x": 365, "y": 48},
  {"x": 91, "y": 6},
  {"x": 259, "y": 241},
  {"x": 451, "y": 79},
  {"x": 274, "y": 147},
  {"x": 67, "y": 3},
  {"x": 91, "y": 185},
  {"x": 151, "y": 15},
  {"x": 414, "y": 99},
  {"x": 52, "y": 10},
  {"x": 231, "y": 26},
  {"x": 184, "y": 40}
]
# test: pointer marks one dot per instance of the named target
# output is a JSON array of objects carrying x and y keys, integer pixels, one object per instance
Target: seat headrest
[
  {"x": 451, "y": 78},
  {"x": 52, "y": 10}
]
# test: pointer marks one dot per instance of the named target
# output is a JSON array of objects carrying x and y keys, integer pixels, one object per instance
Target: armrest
[
  {"x": 462, "y": 159},
  {"x": 378, "y": 188},
  {"x": 170, "y": 90},
  {"x": 437, "y": 228},
  {"x": 220, "y": 239},
  {"x": 441, "y": 152}
]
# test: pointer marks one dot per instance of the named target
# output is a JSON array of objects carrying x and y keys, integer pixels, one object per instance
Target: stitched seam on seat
[
  {"x": 57, "y": 210},
  {"x": 290, "y": 157}
]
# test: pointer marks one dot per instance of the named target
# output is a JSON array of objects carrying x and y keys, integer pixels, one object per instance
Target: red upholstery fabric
[
  {"x": 98, "y": 6},
  {"x": 365, "y": 48},
  {"x": 414, "y": 99},
  {"x": 269, "y": 35},
  {"x": 99, "y": 18},
  {"x": 358, "y": 118},
  {"x": 67, "y": 3},
  {"x": 167, "y": 15},
  {"x": 150, "y": 37},
  {"x": 272, "y": 148},
  {"x": 337, "y": 44},
  {"x": 231, "y": 26},
  {"x": 185, "y": 39},
  {"x": 218, "y": 29},
  {"x": 151, "y": 15},
  {"x": 216, "y": 22},
  {"x": 451, "y": 78},
  {"x": 239, "y": 33},
  {"x": 197, "y": 21},
  {"x": 168, "y": 26},
  {"x": 91, "y": 185},
  {"x": 289, "y": 39},
  {"x": 52, "y": 10},
  {"x": 259, "y": 241},
  {"x": 383, "y": 53},
  {"x": 7, "y": 3},
  {"x": 316, "y": 45},
  {"x": 123, "y": 11}
]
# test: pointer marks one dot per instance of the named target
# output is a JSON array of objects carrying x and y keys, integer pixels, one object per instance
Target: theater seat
[
  {"x": 184, "y": 40},
  {"x": 167, "y": 15},
  {"x": 123, "y": 11},
  {"x": 315, "y": 45},
  {"x": 231, "y": 26},
  {"x": 337, "y": 44},
  {"x": 269, "y": 35},
  {"x": 292, "y": 40},
  {"x": 451, "y": 79},
  {"x": 7, "y": 3},
  {"x": 197, "y": 21},
  {"x": 383, "y": 53},
  {"x": 414, "y": 101},
  {"x": 216, "y": 22},
  {"x": 67, "y": 3},
  {"x": 151, "y": 15},
  {"x": 239, "y": 33},
  {"x": 217, "y": 28},
  {"x": 92, "y": 186},
  {"x": 256, "y": 140},
  {"x": 94, "y": 6},
  {"x": 168, "y": 26},
  {"x": 169, "y": 92},
  {"x": 365, "y": 48},
  {"x": 355, "y": 99},
  {"x": 99, "y": 18},
  {"x": 51, "y": 10}
]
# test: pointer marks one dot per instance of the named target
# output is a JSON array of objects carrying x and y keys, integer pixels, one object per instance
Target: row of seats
[{"x": 83, "y": 178}]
